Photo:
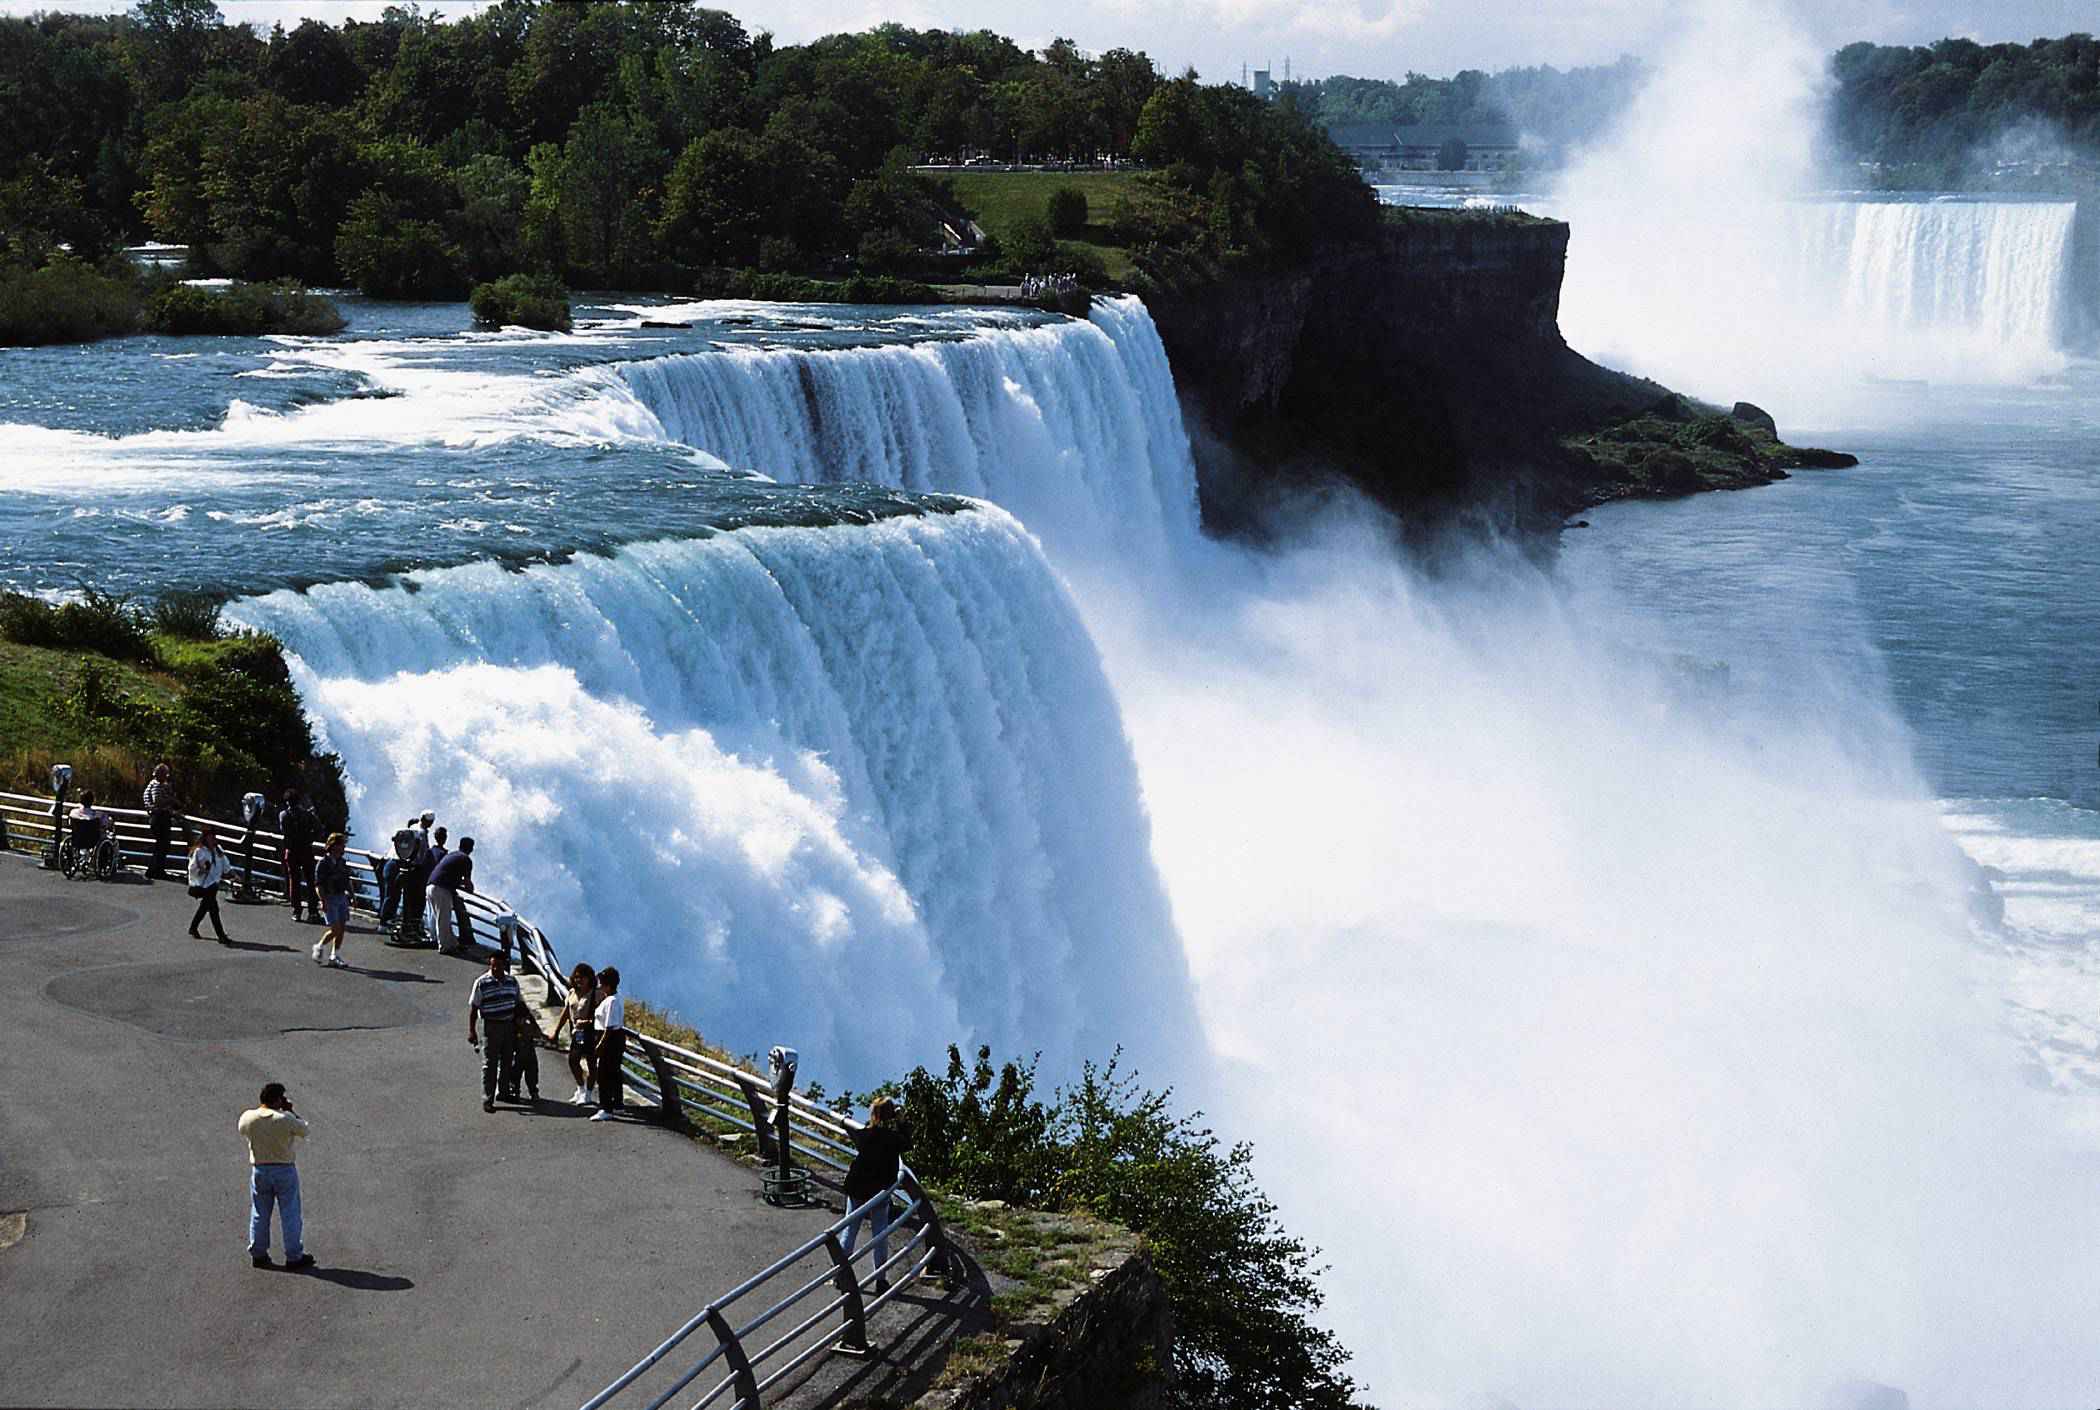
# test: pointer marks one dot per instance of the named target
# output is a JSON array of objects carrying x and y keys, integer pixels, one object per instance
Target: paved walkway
[{"x": 518, "y": 1259}]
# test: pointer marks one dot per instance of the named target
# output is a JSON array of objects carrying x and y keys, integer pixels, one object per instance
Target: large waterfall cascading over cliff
[
  {"x": 1798, "y": 302},
  {"x": 1996, "y": 274},
  {"x": 1072, "y": 426},
  {"x": 857, "y": 788}
]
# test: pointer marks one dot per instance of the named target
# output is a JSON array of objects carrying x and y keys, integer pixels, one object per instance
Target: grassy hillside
[
  {"x": 99, "y": 686},
  {"x": 1002, "y": 199}
]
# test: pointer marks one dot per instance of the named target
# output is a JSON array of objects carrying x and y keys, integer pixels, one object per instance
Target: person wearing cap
[
  {"x": 332, "y": 881},
  {"x": 270, "y": 1128}
]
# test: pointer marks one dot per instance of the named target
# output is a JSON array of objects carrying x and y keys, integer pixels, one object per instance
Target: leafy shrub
[
  {"x": 66, "y": 301},
  {"x": 189, "y": 615},
  {"x": 1242, "y": 1289},
  {"x": 522, "y": 301},
  {"x": 96, "y": 621},
  {"x": 1029, "y": 243},
  {"x": 1067, "y": 211},
  {"x": 244, "y": 310},
  {"x": 794, "y": 288}
]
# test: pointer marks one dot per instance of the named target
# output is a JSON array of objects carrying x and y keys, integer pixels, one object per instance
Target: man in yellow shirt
[{"x": 270, "y": 1128}]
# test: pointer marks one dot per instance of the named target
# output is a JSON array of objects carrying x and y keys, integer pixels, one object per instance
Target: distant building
[
  {"x": 1263, "y": 89},
  {"x": 1384, "y": 146}
]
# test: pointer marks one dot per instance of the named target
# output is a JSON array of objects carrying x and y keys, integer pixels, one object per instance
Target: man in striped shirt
[
  {"x": 500, "y": 1006},
  {"x": 160, "y": 809}
]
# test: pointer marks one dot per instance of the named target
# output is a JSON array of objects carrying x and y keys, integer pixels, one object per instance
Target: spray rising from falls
[
  {"x": 1698, "y": 256},
  {"x": 844, "y": 787},
  {"x": 1666, "y": 1083}
]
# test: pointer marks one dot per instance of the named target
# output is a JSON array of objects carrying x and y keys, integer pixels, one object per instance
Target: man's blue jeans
[{"x": 274, "y": 1185}]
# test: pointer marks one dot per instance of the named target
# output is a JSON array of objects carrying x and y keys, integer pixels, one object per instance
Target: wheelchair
[{"x": 96, "y": 855}]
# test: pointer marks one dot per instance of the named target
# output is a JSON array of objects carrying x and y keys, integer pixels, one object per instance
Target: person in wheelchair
[{"x": 90, "y": 825}]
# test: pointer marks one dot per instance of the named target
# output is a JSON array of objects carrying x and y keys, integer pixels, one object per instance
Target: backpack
[{"x": 405, "y": 844}]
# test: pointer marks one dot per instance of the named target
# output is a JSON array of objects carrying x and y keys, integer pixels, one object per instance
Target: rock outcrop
[{"x": 1427, "y": 368}]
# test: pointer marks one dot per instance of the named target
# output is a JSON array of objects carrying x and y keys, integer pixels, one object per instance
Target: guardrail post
[
  {"x": 760, "y": 1130},
  {"x": 739, "y": 1364},
  {"x": 936, "y": 1237},
  {"x": 667, "y": 1090},
  {"x": 855, "y": 1341}
]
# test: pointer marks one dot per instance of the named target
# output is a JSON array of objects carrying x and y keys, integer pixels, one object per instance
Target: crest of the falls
[
  {"x": 862, "y": 789},
  {"x": 1073, "y": 425}
]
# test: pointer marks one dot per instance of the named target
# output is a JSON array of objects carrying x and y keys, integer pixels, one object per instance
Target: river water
[{"x": 1703, "y": 924}]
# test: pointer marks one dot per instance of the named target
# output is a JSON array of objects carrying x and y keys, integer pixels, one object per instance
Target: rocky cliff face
[{"x": 1426, "y": 367}]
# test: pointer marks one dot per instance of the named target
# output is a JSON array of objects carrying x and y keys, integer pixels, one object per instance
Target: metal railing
[
  {"x": 677, "y": 1078},
  {"x": 732, "y": 1356}
]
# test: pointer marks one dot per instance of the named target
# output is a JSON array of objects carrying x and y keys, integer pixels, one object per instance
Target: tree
[
  {"x": 390, "y": 254},
  {"x": 1451, "y": 154},
  {"x": 1067, "y": 211},
  {"x": 603, "y": 218},
  {"x": 1242, "y": 1289}
]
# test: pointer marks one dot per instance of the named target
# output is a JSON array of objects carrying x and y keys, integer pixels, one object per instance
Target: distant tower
[
  {"x": 1243, "y": 75},
  {"x": 1286, "y": 68},
  {"x": 1261, "y": 84}
]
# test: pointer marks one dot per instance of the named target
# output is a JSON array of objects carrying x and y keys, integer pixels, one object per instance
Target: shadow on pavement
[
  {"x": 257, "y": 945},
  {"x": 358, "y": 1280},
  {"x": 394, "y": 976}
]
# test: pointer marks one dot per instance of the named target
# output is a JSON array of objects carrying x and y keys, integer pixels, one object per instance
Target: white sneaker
[
  {"x": 317, "y": 951},
  {"x": 336, "y": 962},
  {"x": 602, "y": 1116},
  {"x": 578, "y": 1098}
]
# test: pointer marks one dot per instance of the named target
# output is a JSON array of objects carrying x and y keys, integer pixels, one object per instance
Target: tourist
[
  {"x": 497, "y": 1003},
  {"x": 89, "y": 824},
  {"x": 160, "y": 814},
  {"x": 300, "y": 829},
  {"x": 416, "y": 879},
  {"x": 332, "y": 881},
  {"x": 879, "y": 1149},
  {"x": 452, "y": 875},
  {"x": 270, "y": 1128},
  {"x": 610, "y": 1019},
  {"x": 409, "y": 846},
  {"x": 526, "y": 1052},
  {"x": 208, "y": 867},
  {"x": 576, "y": 1013}
]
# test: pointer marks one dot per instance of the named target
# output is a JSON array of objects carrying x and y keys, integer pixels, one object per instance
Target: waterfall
[
  {"x": 1992, "y": 275},
  {"x": 861, "y": 789},
  {"x": 1073, "y": 425},
  {"x": 1798, "y": 304}
]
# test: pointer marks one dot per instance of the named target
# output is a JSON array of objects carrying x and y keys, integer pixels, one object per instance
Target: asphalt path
[{"x": 523, "y": 1258}]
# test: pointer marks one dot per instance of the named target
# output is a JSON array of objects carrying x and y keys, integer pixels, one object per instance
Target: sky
[{"x": 1369, "y": 38}]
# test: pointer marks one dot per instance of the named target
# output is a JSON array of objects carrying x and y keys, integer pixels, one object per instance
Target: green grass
[{"x": 1002, "y": 199}]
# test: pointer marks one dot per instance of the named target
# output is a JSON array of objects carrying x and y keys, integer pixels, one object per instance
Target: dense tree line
[
  {"x": 605, "y": 144},
  {"x": 1943, "y": 110},
  {"x": 1559, "y": 108}
]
